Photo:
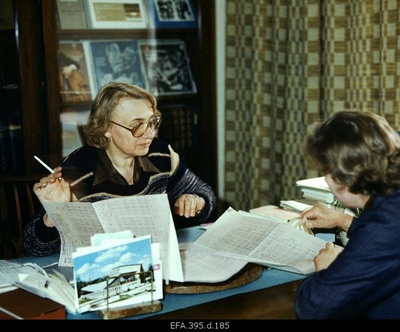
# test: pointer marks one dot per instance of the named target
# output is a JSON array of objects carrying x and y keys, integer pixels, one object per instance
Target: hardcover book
[
  {"x": 71, "y": 14},
  {"x": 116, "y": 14},
  {"x": 5, "y": 150},
  {"x": 115, "y": 60},
  {"x": 16, "y": 142},
  {"x": 167, "y": 67},
  {"x": 74, "y": 77},
  {"x": 172, "y": 14}
]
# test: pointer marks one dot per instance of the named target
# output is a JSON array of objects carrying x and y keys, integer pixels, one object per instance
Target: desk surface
[
  {"x": 239, "y": 303},
  {"x": 275, "y": 302}
]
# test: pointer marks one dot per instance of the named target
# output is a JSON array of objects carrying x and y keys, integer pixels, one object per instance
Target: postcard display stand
[
  {"x": 248, "y": 274},
  {"x": 131, "y": 310}
]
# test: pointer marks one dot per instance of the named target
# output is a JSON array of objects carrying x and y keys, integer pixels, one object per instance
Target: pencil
[{"x": 44, "y": 164}]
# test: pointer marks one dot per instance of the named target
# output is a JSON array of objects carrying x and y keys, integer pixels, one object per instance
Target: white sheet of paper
[{"x": 262, "y": 241}]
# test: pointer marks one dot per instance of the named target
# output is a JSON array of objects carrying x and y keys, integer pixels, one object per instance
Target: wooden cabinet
[{"x": 42, "y": 107}]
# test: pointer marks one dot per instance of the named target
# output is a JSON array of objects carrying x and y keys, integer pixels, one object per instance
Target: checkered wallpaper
[{"x": 289, "y": 63}]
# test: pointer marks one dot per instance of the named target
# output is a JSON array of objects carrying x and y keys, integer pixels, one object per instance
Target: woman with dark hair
[
  {"x": 122, "y": 158},
  {"x": 359, "y": 154}
]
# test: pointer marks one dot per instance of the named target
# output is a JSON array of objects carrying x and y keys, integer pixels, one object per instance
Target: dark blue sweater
[{"x": 364, "y": 280}]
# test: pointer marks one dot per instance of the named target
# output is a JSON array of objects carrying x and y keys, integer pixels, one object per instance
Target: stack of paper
[
  {"x": 316, "y": 189},
  {"x": 36, "y": 280}
]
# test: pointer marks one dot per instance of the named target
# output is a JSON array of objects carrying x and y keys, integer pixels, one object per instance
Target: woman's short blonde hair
[{"x": 104, "y": 104}]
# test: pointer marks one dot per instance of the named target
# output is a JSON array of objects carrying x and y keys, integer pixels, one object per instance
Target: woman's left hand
[
  {"x": 326, "y": 256},
  {"x": 189, "y": 205}
]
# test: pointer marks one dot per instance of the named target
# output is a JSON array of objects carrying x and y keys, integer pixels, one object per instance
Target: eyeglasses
[{"x": 138, "y": 130}]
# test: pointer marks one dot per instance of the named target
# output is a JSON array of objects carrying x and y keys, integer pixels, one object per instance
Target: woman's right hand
[
  {"x": 326, "y": 256},
  {"x": 53, "y": 188},
  {"x": 322, "y": 216}
]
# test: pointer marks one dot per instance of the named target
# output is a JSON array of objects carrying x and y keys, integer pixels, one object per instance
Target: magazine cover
[
  {"x": 74, "y": 77},
  {"x": 71, "y": 130},
  {"x": 71, "y": 14},
  {"x": 116, "y": 60},
  {"x": 111, "y": 276},
  {"x": 116, "y": 14},
  {"x": 172, "y": 14},
  {"x": 167, "y": 67}
]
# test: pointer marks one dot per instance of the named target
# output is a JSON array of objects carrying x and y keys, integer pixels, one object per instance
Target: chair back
[{"x": 18, "y": 204}]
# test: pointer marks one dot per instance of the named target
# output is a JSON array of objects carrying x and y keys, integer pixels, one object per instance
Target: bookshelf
[
  {"x": 193, "y": 97},
  {"x": 22, "y": 85},
  {"x": 47, "y": 114}
]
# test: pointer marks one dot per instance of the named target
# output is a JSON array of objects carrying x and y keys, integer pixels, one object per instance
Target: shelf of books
[{"x": 150, "y": 43}]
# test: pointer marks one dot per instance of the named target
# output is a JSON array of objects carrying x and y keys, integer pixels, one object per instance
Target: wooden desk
[{"x": 275, "y": 302}]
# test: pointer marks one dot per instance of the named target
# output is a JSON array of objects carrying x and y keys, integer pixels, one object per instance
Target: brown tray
[{"x": 248, "y": 274}]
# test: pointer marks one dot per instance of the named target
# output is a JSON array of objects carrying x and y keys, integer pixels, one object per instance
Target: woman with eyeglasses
[{"x": 122, "y": 158}]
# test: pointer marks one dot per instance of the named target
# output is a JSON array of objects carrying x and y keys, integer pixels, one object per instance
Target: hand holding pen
[
  {"x": 44, "y": 164},
  {"x": 52, "y": 188},
  {"x": 58, "y": 169},
  {"x": 322, "y": 216}
]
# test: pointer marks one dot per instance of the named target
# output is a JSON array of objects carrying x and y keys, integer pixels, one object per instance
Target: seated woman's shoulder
[
  {"x": 158, "y": 145},
  {"x": 82, "y": 156}
]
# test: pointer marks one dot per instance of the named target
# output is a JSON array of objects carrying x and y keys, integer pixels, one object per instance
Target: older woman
[{"x": 122, "y": 157}]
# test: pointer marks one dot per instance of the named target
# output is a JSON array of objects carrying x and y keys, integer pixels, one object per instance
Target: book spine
[
  {"x": 5, "y": 146},
  {"x": 16, "y": 143}
]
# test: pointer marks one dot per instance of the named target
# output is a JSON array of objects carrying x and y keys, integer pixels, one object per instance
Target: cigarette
[{"x": 44, "y": 164}]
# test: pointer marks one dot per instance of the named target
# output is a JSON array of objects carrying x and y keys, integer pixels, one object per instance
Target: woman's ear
[{"x": 107, "y": 134}]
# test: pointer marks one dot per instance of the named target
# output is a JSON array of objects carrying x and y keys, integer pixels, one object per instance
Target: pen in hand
[{"x": 44, "y": 164}]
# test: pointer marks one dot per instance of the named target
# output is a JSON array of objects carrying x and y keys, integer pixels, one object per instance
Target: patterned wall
[{"x": 289, "y": 63}]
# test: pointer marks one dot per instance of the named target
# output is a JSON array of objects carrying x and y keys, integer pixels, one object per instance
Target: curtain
[{"x": 290, "y": 63}]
